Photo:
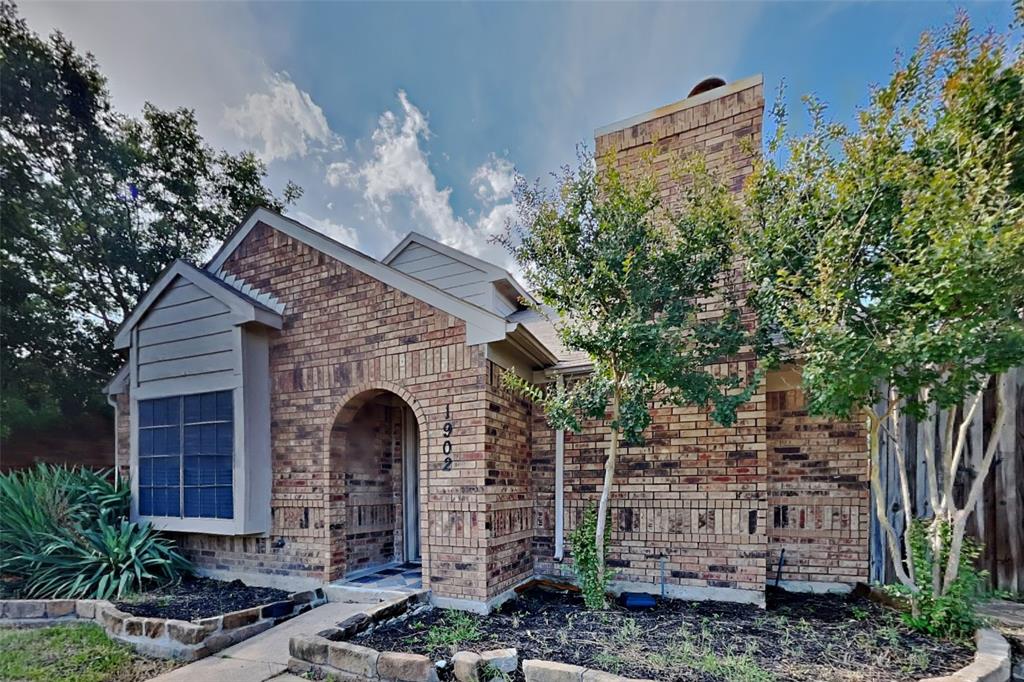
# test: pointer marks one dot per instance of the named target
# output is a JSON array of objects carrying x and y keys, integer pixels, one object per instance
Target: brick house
[{"x": 298, "y": 412}]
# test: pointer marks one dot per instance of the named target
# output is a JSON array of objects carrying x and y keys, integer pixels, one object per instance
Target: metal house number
[{"x": 446, "y": 446}]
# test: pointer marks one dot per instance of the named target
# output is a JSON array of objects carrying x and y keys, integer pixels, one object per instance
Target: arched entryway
[{"x": 374, "y": 461}]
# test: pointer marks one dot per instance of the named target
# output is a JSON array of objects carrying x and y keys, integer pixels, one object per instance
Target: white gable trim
[
  {"x": 494, "y": 273},
  {"x": 242, "y": 308},
  {"x": 482, "y": 326}
]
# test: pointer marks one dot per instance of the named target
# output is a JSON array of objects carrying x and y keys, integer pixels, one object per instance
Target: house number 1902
[{"x": 446, "y": 445}]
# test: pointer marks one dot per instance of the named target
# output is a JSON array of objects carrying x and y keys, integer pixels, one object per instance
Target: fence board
[{"x": 998, "y": 521}]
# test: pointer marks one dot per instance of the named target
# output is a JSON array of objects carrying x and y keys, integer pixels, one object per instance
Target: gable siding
[
  {"x": 186, "y": 333},
  {"x": 446, "y": 273}
]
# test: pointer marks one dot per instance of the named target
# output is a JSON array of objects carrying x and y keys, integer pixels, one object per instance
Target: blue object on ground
[{"x": 638, "y": 600}]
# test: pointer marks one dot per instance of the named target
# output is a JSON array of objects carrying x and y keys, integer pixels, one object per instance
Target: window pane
[
  {"x": 192, "y": 502},
  {"x": 224, "y": 437},
  {"x": 224, "y": 502},
  {"x": 145, "y": 442},
  {"x": 208, "y": 441},
  {"x": 145, "y": 471},
  {"x": 146, "y": 501},
  {"x": 209, "y": 408},
  {"x": 145, "y": 413},
  {"x": 223, "y": 470},
  {"x": 173, "y": 501},
  {"x": 192, "y": 403},
  {"x": 225, "y": 409},
  {"x": 192, "y": 440}
]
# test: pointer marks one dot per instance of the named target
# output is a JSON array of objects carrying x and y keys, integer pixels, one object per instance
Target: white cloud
[
  {"x": 342, "y": 173},
  {"x": 283, "y": 119},
  {"x": 494, "y": 180},
  {"x": 398, "y": 167},
  {"x": 337, "y": 231}
]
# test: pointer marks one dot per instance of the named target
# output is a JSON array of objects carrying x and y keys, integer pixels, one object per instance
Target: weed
[
  {"x": 455, "y": 628},
  {"x": 609, "y": 662},
  {"x": 489, "y": 673}
]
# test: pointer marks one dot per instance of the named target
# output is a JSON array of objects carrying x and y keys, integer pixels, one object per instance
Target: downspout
[
  {"x": 117, "y": 470},
  {"x": 559, "y": 485}
]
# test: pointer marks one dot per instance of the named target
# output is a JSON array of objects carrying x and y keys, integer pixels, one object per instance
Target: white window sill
[{"x": 191, "y": 525}]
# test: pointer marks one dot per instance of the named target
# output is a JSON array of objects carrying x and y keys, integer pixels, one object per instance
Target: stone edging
[
  {"x": 331, "y": 653},
  {"x": 991, "y": 660},
  {"x": 161, "y": 637}
]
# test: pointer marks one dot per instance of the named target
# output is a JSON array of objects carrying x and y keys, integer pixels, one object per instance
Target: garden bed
[
  {"x": 799, "y": 638},
  {"x": 162, "y": 635},
  {"x": 198, "y": 597}
]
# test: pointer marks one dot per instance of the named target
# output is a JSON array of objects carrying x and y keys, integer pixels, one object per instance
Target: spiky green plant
[{"x": 65, "y": 532}]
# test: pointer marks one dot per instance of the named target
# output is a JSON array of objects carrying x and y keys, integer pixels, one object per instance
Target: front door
[{"x": 411, "y": 486}]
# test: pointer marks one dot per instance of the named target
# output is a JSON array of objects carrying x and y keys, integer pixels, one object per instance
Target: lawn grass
[{"x": 71, "y": 653}]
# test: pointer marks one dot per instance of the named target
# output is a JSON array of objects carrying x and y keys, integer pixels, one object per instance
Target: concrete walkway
[{"x": 264, "y": 656}]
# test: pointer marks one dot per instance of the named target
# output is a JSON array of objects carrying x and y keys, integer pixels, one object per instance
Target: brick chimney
[{"x": 714, "y": 122}]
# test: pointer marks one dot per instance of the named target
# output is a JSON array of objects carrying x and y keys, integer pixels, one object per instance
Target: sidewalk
[{"x": 264, "y": 656}]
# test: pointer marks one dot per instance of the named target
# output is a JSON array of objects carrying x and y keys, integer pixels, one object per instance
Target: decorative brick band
[{"x": 161, "y": 637}]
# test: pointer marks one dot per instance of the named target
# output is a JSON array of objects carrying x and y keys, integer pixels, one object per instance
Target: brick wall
[
  {"x": 818, "y": 494},
  {"x": 345, "y": 335},
  {"x": 691, "y": 502},
  {"x": 509, "y": 492}
]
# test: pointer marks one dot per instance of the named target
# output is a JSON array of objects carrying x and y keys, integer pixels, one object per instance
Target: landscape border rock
[
  {"x": 335, "y": 652},
  {"x": 161, "y": 637},
  {"x": 991, "y": 660}
]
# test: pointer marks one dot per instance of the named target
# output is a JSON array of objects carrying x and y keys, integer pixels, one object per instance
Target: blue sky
[{"x": 397, "y": 116}]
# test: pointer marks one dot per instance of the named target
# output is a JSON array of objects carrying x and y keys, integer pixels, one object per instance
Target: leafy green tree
[
  {"x": 94, "y": 205},
  {"x": 889, "y": 258},
  {"x": 626, "y": 279}
]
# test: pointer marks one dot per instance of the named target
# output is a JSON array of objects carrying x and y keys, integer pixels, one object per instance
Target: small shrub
[
  {"x": 944, "y": 615},
  {"x": 593, "y": 578},
  {"x": 65, "y": 532}
]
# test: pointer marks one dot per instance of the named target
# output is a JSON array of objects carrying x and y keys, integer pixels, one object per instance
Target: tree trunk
[
  {"x": 959, "y": 518},
  {"x": 609, "y": 479}
]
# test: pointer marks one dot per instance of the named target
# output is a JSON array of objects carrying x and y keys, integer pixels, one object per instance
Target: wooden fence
[{"x": 998, "y": 520}]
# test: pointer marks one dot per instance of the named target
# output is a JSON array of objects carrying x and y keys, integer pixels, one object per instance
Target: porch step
[{"x": 351, "y": 594}]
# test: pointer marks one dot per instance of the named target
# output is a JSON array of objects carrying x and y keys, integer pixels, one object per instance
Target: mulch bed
[
  {"x": 199, "y": 598},
  {"x": 799, "y": 637}
]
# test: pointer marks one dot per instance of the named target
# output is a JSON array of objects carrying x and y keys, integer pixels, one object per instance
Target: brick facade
[
  {"x": 701, "y": 508},
  {"x": 818, "y": 494}
]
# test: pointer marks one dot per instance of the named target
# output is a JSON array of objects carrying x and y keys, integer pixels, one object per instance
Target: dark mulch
[
  {"x": 194, "y": 598},
  {"x": 799, "y": 637}
]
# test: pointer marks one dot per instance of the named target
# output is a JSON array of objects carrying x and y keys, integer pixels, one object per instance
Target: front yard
[
  {"x": 799, "y": 637},
  {"x": 72, "y": 653}
]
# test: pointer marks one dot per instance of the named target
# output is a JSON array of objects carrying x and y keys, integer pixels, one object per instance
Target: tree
[
  {"x": 94, "y": 205},
  {"x": 888, "y": 258},
  {"x": 624, "y": 276}
]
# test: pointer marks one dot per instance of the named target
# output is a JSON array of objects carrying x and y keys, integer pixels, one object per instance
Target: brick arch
[
  {"x": 358, "y": 396},
  {"x": 336, "y": 446}
]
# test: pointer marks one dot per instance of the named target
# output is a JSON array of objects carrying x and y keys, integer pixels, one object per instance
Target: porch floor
[{"x": 394, "y": 576}]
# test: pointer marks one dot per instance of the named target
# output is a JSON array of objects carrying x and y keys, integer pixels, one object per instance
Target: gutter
[
  {"x": 523, "y": 339},
  {"x": 559, "y": 486}
]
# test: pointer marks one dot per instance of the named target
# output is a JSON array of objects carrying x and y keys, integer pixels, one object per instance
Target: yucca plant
[
  {"x": 110, "y": 560},
  {"x": 65, "y": 532}
]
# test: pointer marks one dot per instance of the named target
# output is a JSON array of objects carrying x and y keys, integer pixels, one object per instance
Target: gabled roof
[
  {"x": 244, "y": 308},
  {"x": 494, "y": 273},
  {"x": 482, "y": 326}
]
